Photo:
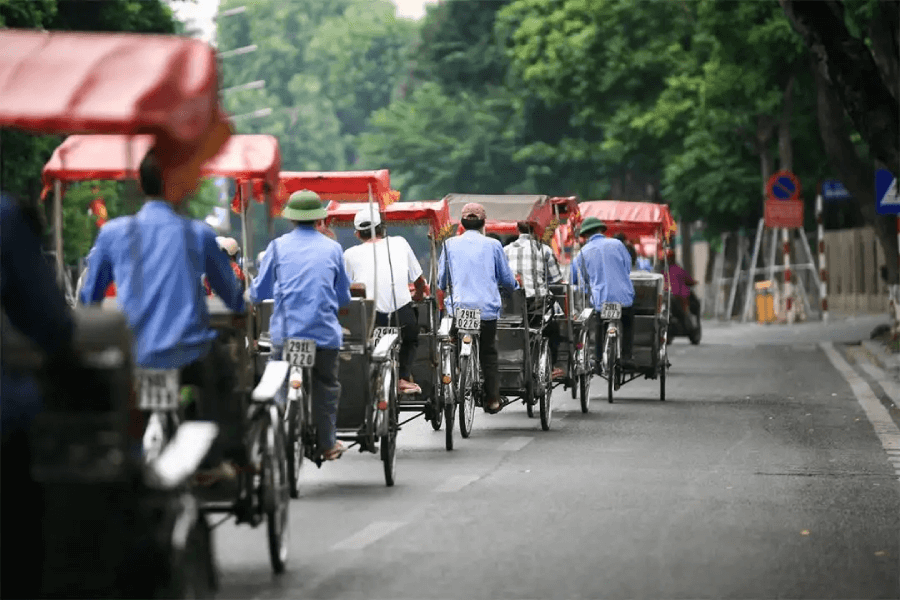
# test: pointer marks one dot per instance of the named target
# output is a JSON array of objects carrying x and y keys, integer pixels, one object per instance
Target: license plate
[
  {"x": 380, "y": 332},
  {"x": 300, "y": 353},
  {"x": 468, "y": 318},
  {"x": 611, "y": 311},
  {"x": 157, "y": 389}
]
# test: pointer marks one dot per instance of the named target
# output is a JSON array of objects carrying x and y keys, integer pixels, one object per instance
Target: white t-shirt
[{"x": 360, "y": 261}]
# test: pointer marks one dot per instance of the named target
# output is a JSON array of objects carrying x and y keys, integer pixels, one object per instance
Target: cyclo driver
[
  {"x": 156, "y": 259},
  {"x": 303, "y": 271},
  {"x": 535, "y": 268},
  {"x": 604, "y": 267},
  {"x": 473, "y": 267},
  {"x": 397, "y": 268}
]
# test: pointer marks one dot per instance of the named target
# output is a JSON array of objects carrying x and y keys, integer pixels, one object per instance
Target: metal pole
[
  {"x": 823, "y": 270},
  {"x": 760, "y": 231},
  {"x": 58, "y": 234},
  {"x": 788, "y": 288},
  {"x": 735, "y": 281}
]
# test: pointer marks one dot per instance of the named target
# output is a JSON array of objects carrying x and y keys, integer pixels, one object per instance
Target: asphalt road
[{"x": 760, "y": 477}]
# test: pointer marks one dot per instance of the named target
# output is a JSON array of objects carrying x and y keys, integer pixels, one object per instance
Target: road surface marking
[
  {"x": 877, "y": 414},
  {"x": 454, "y": 484},
  {"x": 374, "y": 532},
  {"x": 891, "y": 388},
  {"x": 514, "y": 444}
]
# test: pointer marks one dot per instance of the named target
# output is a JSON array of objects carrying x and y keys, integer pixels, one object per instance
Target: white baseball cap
[
  {"x": 229, "y": 245},
  {"x": 366, "y": 218}
]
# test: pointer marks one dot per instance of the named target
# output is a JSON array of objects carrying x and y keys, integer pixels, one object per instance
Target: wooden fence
[{"x": 854, "y": 258}]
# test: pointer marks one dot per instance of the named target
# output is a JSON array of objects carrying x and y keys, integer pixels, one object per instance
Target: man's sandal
[
  {"x": 335, "y": 452},
  {"x": 493, "y": 408}
]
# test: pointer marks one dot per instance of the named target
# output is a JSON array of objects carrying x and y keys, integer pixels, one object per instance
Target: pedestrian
[
  {"x": 304, "y": 272},
  {"x": 535, "y": 267},
  {"x": 397, "y": 267},
  {"x": 471, "y": 269},
  {"x": 158, "y": 258},
  {"x": 604, "y": 266},
  {"x": 679, "y": 282}
]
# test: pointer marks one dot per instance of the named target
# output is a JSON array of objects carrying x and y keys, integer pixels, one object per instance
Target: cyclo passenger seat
[{"x": 649, "y": 317}]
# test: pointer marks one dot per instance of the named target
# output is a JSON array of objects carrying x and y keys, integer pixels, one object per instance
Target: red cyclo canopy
[
  {"x": 436, "y": 214},
  {"x": 166, "y": 86},
  {"x": 340, "y": 186},
  {"x": 634, "y": 219},
  {"x": 116, "y": 157}
]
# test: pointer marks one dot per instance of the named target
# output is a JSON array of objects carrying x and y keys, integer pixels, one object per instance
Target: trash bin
[{"x": 765, "y": 302}]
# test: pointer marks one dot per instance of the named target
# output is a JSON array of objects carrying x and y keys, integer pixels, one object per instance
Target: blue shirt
[
  {"x": 605, "y": 265},
  {"x": 644, "y": 264},
  {"x": 34, "y": 304},
  {"x": 304, "y": 272},
  {"x": 156, "y": 259},
  {"x": 477, "y": 266}
]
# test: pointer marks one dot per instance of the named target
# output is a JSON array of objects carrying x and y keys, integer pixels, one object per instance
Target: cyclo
[
  {"x": 368, "y": 410},
  {"x": 651, "y": 299},
  {"x": 424, "y": 225},
  {"x": 167, "y": 401},
  {"x": 82, "y": 441},
  {"x": 520, "y": 335},
  {"x": 575, "y": 354}
]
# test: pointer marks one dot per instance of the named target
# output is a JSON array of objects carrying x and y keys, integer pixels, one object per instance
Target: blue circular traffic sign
[{"x": 783, "y": 185}]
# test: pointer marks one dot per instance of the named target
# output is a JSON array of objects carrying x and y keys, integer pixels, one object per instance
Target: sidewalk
[{"x": 840, "y": 329}]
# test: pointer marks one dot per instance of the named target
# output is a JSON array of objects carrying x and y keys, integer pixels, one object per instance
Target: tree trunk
[
  {"x": 856, "y": 175},
  {"x": 764, "y": 130},
  {"x": 785, "y": 149},
  {"x": 848, "y": 65},
  {"x": 884, "y": 33}
]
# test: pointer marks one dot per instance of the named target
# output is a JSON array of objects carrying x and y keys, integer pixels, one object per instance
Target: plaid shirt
[{"x": 523, "y": 259}]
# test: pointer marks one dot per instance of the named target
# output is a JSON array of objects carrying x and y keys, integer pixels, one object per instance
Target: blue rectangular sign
[{"x": 833, "y": 191}]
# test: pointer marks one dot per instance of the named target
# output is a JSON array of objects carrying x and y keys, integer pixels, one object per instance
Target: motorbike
[{"x": 686, "y": 325}]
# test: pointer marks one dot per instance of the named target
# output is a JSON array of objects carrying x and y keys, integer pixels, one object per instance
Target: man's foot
[
  {"x": 408, "y": 387},
  {"x": 492, "y": 407},
  {"x": 335, "y": 452},
  {"x": 558, "y": 374}
]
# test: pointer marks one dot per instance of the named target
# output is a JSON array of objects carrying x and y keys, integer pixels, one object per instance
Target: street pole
[
  {"x": 788, "y": 288},
  {"x": 823, "y": 270}
]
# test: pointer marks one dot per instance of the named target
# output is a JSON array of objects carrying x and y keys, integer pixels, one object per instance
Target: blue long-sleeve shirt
[
  {"x": 604, "y": 264},
  {"x": 156, "y": 259},
  {"x": 477, "y": 266},
  {"x": 35, "y": 306},
  {"x": 304, "y": 272}
]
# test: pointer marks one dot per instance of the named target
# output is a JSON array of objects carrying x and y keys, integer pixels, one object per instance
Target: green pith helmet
[
  {"x": 304, "y": 206},
  {"x": 590, "y": 225}
]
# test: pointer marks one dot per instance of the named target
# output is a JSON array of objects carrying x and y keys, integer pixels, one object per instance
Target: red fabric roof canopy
[
  {"x": 340, "y": 186},
  {"x": 166, "y": 86},
  {"x": 634, "y": 219},
  {"x": 86, "y": 157},
  {"x": 436, "y": 214},
  {"x": 567, "y": 207},
  {"x": 107, "y": 83}
]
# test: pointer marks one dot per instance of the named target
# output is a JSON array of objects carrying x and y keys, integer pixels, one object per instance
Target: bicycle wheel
[
  {"x": 294, "y": 447},
  {"x": 612, "y": 366},
  {"x": 467, "y": 391},
  {"x": 389, "y": 448},
  {"x": 275, "y": 493},
  {"x": 584, "y": 379},
  {"x": 546, "y": 387}
]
